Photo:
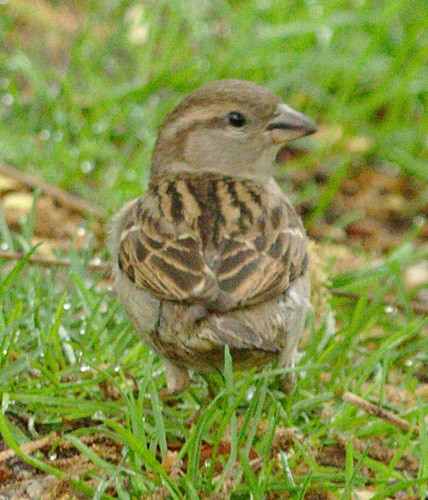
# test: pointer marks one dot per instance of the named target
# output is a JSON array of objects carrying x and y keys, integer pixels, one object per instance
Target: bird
[{"x": 214, "y": 254}]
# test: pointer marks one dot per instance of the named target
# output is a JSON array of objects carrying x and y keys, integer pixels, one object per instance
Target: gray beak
[{"x": 288, "y": 124}]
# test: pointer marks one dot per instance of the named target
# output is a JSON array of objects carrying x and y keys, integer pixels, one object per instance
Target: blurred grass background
[{"x": 84, "y": 86}]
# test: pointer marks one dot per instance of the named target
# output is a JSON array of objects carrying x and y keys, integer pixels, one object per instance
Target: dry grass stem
[
  {"x": 378, "y": 411},
  {"x": 66, "y": 199},
  {"x": 29, "y": 448}
]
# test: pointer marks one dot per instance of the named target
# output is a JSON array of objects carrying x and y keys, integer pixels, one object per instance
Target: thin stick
[
  {"x": 378, "y": 411},
  {"x": 418, "y": 308},
  {"x": 93, "y": 265},
  {"x": 29, "y": 448},
  {"x": 68, "y": 200},
  {"x": 43, "y": 15}
]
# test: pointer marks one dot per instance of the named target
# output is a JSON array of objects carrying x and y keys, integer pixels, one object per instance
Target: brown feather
[
  {"x": 198, "y": 242},
  {"x": 214, "y": 253}
]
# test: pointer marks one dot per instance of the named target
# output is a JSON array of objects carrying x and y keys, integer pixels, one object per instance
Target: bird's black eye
[{"x": 236, "y": 119}]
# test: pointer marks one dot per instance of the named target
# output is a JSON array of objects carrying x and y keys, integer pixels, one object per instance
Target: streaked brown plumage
[{"x": 214, "y": 253}]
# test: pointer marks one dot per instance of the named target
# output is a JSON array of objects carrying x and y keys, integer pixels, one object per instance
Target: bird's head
[{"x": 233, "y": 127}]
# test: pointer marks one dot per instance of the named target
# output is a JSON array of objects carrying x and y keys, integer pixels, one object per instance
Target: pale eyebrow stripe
[{"x": 198, "y": 114}]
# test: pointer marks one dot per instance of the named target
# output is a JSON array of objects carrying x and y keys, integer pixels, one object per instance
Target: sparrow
[{"x": 214, "y": 254}]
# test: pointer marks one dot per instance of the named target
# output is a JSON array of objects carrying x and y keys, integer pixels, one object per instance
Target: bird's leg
[
  {"x": 297, "y": 305},
  {"x": 177, "y": 378},
  {"x": 288, "y": 383},
  {"x": 288, "y": 360}
]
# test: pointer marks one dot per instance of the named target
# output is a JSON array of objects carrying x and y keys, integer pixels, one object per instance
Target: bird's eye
[{"x": 236, "y": 119}]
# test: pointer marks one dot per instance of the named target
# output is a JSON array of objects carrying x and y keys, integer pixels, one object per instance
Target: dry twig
[
  {"x": 418, "y": 308},
  {"x": 43, "y": 15},
  {"x": 66, "y": 199},
  {"x": 378, "y": 411},
  {"x": 93, "y": 265},
  {"x": 29, "y": 448},
  {"x": 97, "y": 265}
]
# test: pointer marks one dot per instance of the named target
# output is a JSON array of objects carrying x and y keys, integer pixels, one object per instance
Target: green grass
[
  {"x": 359, "y": 65},
  {"x": 81, "y": 110},
  {"x": 64, "y": 341}
]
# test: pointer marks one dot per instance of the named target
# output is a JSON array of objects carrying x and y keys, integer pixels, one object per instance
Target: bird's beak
[{"x": 288, "y": 124}]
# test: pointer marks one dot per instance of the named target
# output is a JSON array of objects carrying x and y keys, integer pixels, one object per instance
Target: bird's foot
[
  {"x": 177, "y": 378},
  {"x": 288, "y": 383}
]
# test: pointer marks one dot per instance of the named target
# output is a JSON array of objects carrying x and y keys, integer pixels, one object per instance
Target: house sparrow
[{"x": 214, "y": 254}]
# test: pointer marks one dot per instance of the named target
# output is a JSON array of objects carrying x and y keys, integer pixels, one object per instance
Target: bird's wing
[
  {"x": 166, "y": 262},
  {"x": 260, "y": 261},
  {"x": 213, "y": 240}
]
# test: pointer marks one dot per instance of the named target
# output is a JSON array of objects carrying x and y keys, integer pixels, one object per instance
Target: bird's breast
[{"x": 215, "y": 206}]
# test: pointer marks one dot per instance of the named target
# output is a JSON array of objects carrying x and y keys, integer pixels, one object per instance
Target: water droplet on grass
[
  {"x": 250, "y": 393},
  {"x": 99, "y": 127},
  {"x": 419, "y": 221},
  {"x": 74, "y": 152},
  {"x": 7, "y": 99},
  {"x": 103, "y": 307},
  {"x": 57, "y": 136},
  {"x": 45, "y": 135},
  {"x": 393, "y": 311},
  {"x": 4, "y": 83},
  {"x": 86, "y": 167}
]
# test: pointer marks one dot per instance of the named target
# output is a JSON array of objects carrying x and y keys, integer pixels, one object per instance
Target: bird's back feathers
[{"x": 212, "y": 240}]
